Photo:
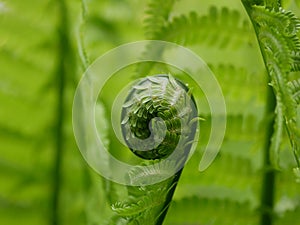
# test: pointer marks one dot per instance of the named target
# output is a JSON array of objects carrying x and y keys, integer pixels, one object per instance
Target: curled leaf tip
[{"x": 158, "y": 118}]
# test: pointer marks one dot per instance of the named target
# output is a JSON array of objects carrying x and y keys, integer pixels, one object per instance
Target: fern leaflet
[{"x": 158, "y": 14}]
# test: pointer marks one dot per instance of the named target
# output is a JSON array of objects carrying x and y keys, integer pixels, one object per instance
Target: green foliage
[{"x": 44, "y": 179}]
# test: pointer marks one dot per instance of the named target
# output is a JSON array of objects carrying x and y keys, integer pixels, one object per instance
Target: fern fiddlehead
[
  {"x": 159, "y": 120},
  {"x": 165, "y": 99}
]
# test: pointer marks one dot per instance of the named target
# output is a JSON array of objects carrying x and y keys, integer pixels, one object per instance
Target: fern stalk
[
  {"x": 168, "y": 199},
  {"x": 268, "y": 182},
  {"x": 63, "y": 68}
]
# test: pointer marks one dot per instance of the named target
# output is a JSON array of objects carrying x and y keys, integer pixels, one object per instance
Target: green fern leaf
[
  {"x": 220, "y": 28},
  {"x": 277, "y": 33}
]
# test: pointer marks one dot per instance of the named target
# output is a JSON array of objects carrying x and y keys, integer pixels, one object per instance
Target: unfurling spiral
[{"x": 159, "y": 115}]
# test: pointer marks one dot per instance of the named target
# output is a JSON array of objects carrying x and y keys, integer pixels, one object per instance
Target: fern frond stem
[
  {"x": 168, "y": 199},
  {"x": 63, "y": 54},
  {"x": 268, "y": 182}
]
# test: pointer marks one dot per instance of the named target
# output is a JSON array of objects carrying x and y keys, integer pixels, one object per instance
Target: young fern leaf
[
  {"x": 157, "y": 125},
  {"x": 277, "y": 33},
  {"x": 155, "y": 112}
]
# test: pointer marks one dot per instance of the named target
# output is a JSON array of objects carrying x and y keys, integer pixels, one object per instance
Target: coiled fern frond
[
  {"x": 152, "y": 98},
  {"x": 159, "y": 120}
]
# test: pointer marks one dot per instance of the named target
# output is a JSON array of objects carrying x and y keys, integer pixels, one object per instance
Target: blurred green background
[{"x": 45, "y": 47}]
